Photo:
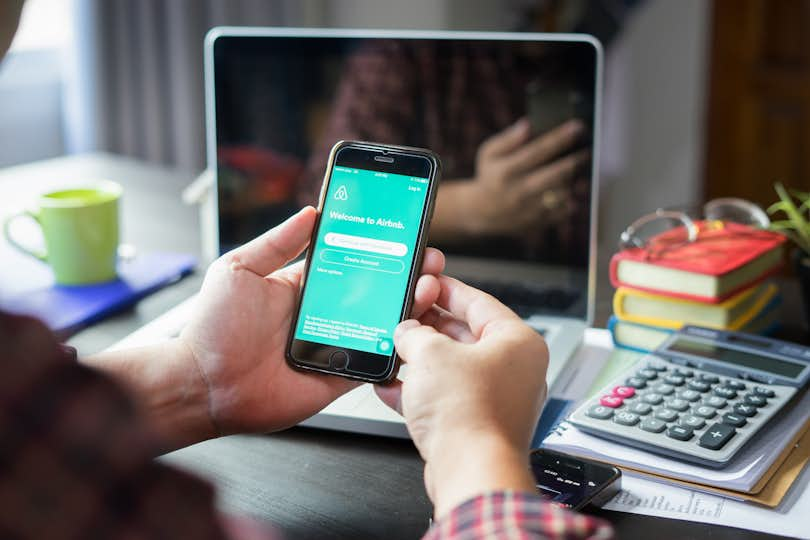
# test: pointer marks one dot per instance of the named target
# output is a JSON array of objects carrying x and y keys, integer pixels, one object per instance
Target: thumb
[
  {"x": 278, "y": 246},
  {"x": 414, "y": 341}
]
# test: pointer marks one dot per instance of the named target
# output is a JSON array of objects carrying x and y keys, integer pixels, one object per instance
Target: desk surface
[{"x": 309, "y": 483}]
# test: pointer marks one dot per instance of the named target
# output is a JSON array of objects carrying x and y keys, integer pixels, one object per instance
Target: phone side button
[{"x": 338, "y": 360}]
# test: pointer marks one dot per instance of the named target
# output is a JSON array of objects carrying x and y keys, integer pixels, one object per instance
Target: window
[{"x": 45, "y": 24}]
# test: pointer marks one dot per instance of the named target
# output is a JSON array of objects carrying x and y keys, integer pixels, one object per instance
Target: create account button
[{"x": 357, "y": 260}]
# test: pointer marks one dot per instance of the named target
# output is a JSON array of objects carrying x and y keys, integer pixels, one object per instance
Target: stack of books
[{"x": 718, "y": 281}]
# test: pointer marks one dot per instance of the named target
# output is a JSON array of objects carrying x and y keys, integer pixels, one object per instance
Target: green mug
[{"x": 80, "y": 227}]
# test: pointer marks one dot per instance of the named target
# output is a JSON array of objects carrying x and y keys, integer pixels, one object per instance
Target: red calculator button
[
  {"x": 611, "y": 401},
  {"x": 624, "y": 391}
]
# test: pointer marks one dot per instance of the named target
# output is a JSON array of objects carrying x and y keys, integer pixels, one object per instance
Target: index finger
[
  {"x": 477, "y": 308},
  {"x": 545, "y": 147},
  {"x": 506, "y": 141}
]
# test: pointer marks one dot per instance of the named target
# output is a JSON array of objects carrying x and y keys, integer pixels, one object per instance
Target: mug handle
[{"x": 41, "y": 255}]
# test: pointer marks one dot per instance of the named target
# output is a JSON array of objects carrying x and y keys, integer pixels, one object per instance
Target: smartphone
[
  {"x": 364, "y": 259},
  {"x": 572, "y": 482}
]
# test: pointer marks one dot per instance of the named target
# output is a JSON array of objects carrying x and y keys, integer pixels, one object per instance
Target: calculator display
[{"x": 733, "y": 356}]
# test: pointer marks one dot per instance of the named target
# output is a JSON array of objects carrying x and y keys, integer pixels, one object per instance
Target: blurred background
[{"x": 702, "y": 98}]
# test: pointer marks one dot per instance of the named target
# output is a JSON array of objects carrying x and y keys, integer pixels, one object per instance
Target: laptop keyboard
[{"x": 527, "y": 300}]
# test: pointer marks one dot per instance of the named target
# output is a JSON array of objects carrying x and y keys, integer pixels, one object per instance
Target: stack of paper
[{"x": 642, "y": 496}]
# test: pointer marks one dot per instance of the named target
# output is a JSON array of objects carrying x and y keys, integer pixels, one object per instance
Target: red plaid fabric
[
  {"x": 75, "y": 457},
  {"x": 514, "y": 515}
]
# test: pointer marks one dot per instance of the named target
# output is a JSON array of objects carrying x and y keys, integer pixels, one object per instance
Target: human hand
[
  {"x": 475, "y": 385},
  {"x": 521, "y": 183},
  {"x": 238, "y": 334}
]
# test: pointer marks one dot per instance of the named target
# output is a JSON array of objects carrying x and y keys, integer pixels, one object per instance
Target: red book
[{"x": 724, "y": 259}]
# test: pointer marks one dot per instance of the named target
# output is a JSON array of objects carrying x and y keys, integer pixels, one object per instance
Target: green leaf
[
  {"x": 800, "y": 225},
  {"x": 803, "y": 196},
  {"x": 778, "y": 206},
  {"x": 782, "y": 225}
]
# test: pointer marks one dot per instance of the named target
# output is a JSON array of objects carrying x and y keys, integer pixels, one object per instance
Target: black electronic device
[
  {"x": 573, "y": 482},
  {"x": 364, "y": 259}
]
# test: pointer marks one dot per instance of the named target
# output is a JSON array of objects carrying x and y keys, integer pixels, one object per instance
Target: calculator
[{"x": 700, "y": 396}]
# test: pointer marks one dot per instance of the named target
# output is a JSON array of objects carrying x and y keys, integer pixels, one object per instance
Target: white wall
[
  {"x": 30, "y": 107},
  {"x": 413, "y": 14},
  {"x": 655, "y": 92}
]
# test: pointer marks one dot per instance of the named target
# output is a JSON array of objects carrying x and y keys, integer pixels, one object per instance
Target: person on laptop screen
[{"x": 511, "y": 122}]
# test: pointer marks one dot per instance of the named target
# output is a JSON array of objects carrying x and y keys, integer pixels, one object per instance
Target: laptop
[{"x": 278, "y": 98}]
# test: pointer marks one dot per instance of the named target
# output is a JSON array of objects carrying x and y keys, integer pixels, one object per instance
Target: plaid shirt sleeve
[
  {"x": 76, "y": 458},
  {"x": 508, "y": 514}
]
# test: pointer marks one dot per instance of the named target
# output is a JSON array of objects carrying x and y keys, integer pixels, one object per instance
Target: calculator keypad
[{"x": 690, "y": 413}]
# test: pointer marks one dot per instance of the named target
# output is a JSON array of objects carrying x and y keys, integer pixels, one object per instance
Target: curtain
[{"x": 134, "y": 81}]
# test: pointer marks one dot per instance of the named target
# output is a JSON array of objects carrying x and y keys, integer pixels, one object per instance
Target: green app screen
[{"x": 362, "y": 259}]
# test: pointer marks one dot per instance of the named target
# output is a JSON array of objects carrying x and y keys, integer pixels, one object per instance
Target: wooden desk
[{"x": 310, "y": 483}]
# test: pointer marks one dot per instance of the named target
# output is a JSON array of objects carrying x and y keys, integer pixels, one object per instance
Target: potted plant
[{"x": 794, "y": 206}]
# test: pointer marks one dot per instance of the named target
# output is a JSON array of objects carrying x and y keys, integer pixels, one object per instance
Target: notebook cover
[
  {"x": 767, "y": 292},
  {"x": 66, "y": 309},
  {"x": 717, "y": 251}
]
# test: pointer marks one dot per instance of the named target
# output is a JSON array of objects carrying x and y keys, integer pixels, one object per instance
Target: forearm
[
  {"x": 165, "y": 381},
  {"x": 481, "y": 465}
]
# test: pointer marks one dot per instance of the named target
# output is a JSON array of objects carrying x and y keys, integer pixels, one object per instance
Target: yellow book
[{"x": 668, "y": 312}]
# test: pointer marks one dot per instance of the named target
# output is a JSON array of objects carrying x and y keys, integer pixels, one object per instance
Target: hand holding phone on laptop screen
[{"x": 523, "y": 183}]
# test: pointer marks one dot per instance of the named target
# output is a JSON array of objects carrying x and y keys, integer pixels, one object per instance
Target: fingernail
[
  {"x": 575, "y": 126},
  {"x": 521, "y": 125}
]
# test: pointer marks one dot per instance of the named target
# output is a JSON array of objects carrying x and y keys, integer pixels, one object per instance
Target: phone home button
[{"x": 338, "y": 360}]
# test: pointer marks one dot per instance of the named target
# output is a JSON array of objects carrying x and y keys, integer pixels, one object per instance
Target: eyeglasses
[{"x": 717, "y": 211}]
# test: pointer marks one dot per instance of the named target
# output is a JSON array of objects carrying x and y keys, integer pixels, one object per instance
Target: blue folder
[{"x": 26, "y": 287}]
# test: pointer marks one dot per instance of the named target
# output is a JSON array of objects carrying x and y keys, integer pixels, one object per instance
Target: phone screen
[{"x": 362, "y": 259}]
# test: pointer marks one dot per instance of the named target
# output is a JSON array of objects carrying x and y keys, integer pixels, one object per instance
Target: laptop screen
[{"x": 512, "y": 120}]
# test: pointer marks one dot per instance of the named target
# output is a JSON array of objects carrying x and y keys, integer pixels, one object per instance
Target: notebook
[
  {"x": 725, "y": 259},
  {"x": 667, "y": 312}
]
